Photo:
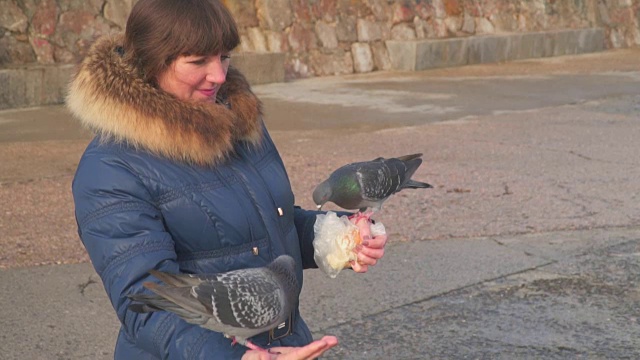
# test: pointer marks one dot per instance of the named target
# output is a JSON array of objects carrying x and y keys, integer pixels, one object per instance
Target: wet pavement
[
  {"x": 583, "y": 305},
  {"x": 527, "y": 247}
]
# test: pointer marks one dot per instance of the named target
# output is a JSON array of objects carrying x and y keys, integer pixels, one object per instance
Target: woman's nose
[{"x": 216, "y": 71}]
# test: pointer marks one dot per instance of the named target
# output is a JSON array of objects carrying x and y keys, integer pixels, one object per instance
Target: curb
[{"x": 416, "y": 55}]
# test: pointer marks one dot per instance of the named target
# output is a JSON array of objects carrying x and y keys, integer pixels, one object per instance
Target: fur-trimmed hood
[{"x": 108, "y": 95}]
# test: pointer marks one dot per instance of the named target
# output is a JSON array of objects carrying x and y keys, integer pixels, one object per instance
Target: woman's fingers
[
  {"x": 370, "y": 250},
  {"x": 330, "y": 342},
  {"x": 377, "y": 242},
  {"x": 311, "y": 351},
  {"x": 364, "y": 229},
  {"x": 369, "y": 256},
  {"x": 359, "y": 267}
]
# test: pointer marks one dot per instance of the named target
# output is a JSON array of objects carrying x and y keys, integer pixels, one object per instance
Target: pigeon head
[{"x": 322, "y": 194}]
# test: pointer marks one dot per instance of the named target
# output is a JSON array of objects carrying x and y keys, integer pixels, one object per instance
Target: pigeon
[
  {"x": 240, "y": 303},
  {"x": 366, "y": 185}
]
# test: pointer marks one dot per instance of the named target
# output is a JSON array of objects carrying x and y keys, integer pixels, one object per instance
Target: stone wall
[{"x": 318, "y": 37}]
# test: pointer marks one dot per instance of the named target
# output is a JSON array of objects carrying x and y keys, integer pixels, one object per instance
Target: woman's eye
[
  {"x": 225, "y": 57},
  {"x": 198, "y": 61}
]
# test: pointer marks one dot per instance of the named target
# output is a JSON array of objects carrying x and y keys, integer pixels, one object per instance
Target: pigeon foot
[
  {"x": 246, "y": 343},
  {"x": 357, "y": 217}
]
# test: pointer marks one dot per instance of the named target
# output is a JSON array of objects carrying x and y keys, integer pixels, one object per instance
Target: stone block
[
  {"x": 442, "y": 53},
  {"x": 15, "y": 52},
  {"x": 591, "y": 40},
  {"x": 274, "y": 14},
  {"x": 346, "y": 29},
  {"x": 12, "y": 18},
  {"x": 368, "y": 30},
  {"x": 54, "y": 83},
  {"x": 530, "y": 45},
  {"x": 275, "y": 41},
  {"x": 34, "y": 85},
  {"x": 403, "y": 32},
  {"x": 257, "y": 39},
  {"x": 548, "y": 43},
  {"x": 301, "y": 39},
  {"x": 402, "y": 54},
  {"x": 243, "y": 11},
  {"x": 488, "y": 49},
  {"x": 514, "y": 50},
  {"x": 117, "y": 11},
  {"x": 12, "y": 91},
  {"x": 562, "y": 44},
  {"x": 331, "y": 62},
  {"x": 260, "y": 68},
  {"x": 362, "y": 57},
  {"x": 380, "y": 56},
  {"x": 326, "y": 34}
]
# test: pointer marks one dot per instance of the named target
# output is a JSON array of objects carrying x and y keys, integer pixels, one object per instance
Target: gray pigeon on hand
[
  {"x": 368, "y": 184},
  {"x": 240, "y": 303}
]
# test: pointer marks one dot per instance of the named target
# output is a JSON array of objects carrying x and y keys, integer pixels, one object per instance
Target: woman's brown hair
[{"x": 158, "y": 31}]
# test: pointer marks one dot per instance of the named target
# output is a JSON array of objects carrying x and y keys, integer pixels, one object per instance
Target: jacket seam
[
  {"x": 161, "y": 332},
  {"x": 180, "y": 192},
  {"x": 267, "y": 159},
  {"x": 113, "y": 208},
  {"x": 197, "y": 346},
  {"x": 232, "y": 250},
  {"x": 135, "y": 251}
]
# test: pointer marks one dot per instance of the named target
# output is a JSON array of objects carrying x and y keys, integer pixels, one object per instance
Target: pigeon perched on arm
[
  {"x": 240, "y": 303},
  {"x": 368, "y": 184}
]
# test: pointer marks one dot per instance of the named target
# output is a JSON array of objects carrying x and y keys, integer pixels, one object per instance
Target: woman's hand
[
  {"x": 372, "y": 248},
  {"x": 311, "y": 351}
]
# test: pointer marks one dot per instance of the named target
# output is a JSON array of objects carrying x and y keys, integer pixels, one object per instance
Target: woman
[{"x": 182, "y": 176}]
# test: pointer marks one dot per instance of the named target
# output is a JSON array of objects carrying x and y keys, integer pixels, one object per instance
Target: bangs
[
  {"x": 159, "y": 31},
  {"x": 206, "y": 28}
]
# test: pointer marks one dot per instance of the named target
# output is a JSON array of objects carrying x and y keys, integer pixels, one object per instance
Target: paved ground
[{"x": 528, "y": 247}]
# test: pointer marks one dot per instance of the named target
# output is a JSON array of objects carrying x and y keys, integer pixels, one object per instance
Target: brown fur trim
[{"x": 110, "y": 97}]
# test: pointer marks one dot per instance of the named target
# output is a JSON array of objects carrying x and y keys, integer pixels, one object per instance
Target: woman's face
[{"x": 195, "y": 78}]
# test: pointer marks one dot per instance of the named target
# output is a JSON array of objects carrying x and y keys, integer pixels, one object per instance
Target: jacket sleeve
[
  {"x": 304, "y": 222},
  {"x": 124, "y": 235}
]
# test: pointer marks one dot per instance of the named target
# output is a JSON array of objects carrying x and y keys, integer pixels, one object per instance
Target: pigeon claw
[
  {"x": 246, "y": 343},
  {"x": 357, "y": 217}
]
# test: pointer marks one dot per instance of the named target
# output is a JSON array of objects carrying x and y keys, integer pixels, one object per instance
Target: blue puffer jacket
[{"x": 151, "y": 192}]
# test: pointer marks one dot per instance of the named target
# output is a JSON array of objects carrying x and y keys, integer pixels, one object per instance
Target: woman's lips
[{"x": 208, "y": 92}]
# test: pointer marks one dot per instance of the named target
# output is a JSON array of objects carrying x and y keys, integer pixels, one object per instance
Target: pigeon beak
[{"x": 319, "y": 207}]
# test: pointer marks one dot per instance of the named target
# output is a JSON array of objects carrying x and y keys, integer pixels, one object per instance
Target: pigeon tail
[
  {"x": 148, "y": 303},
  {"x": 177, "y": 280},
  {"x": 151, "y": 303},
  {"x": 412, "y": 184},
  {"x": 180, "y": 296},
  {"x": 409, "y": 157}
]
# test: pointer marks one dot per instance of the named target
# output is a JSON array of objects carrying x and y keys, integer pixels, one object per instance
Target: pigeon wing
[
  {"x": 250, "y": 299},
  {"x": 379, "y": 179}
]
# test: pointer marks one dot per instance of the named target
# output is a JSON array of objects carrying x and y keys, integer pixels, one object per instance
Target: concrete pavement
[{"x": 528, "y": 247}]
